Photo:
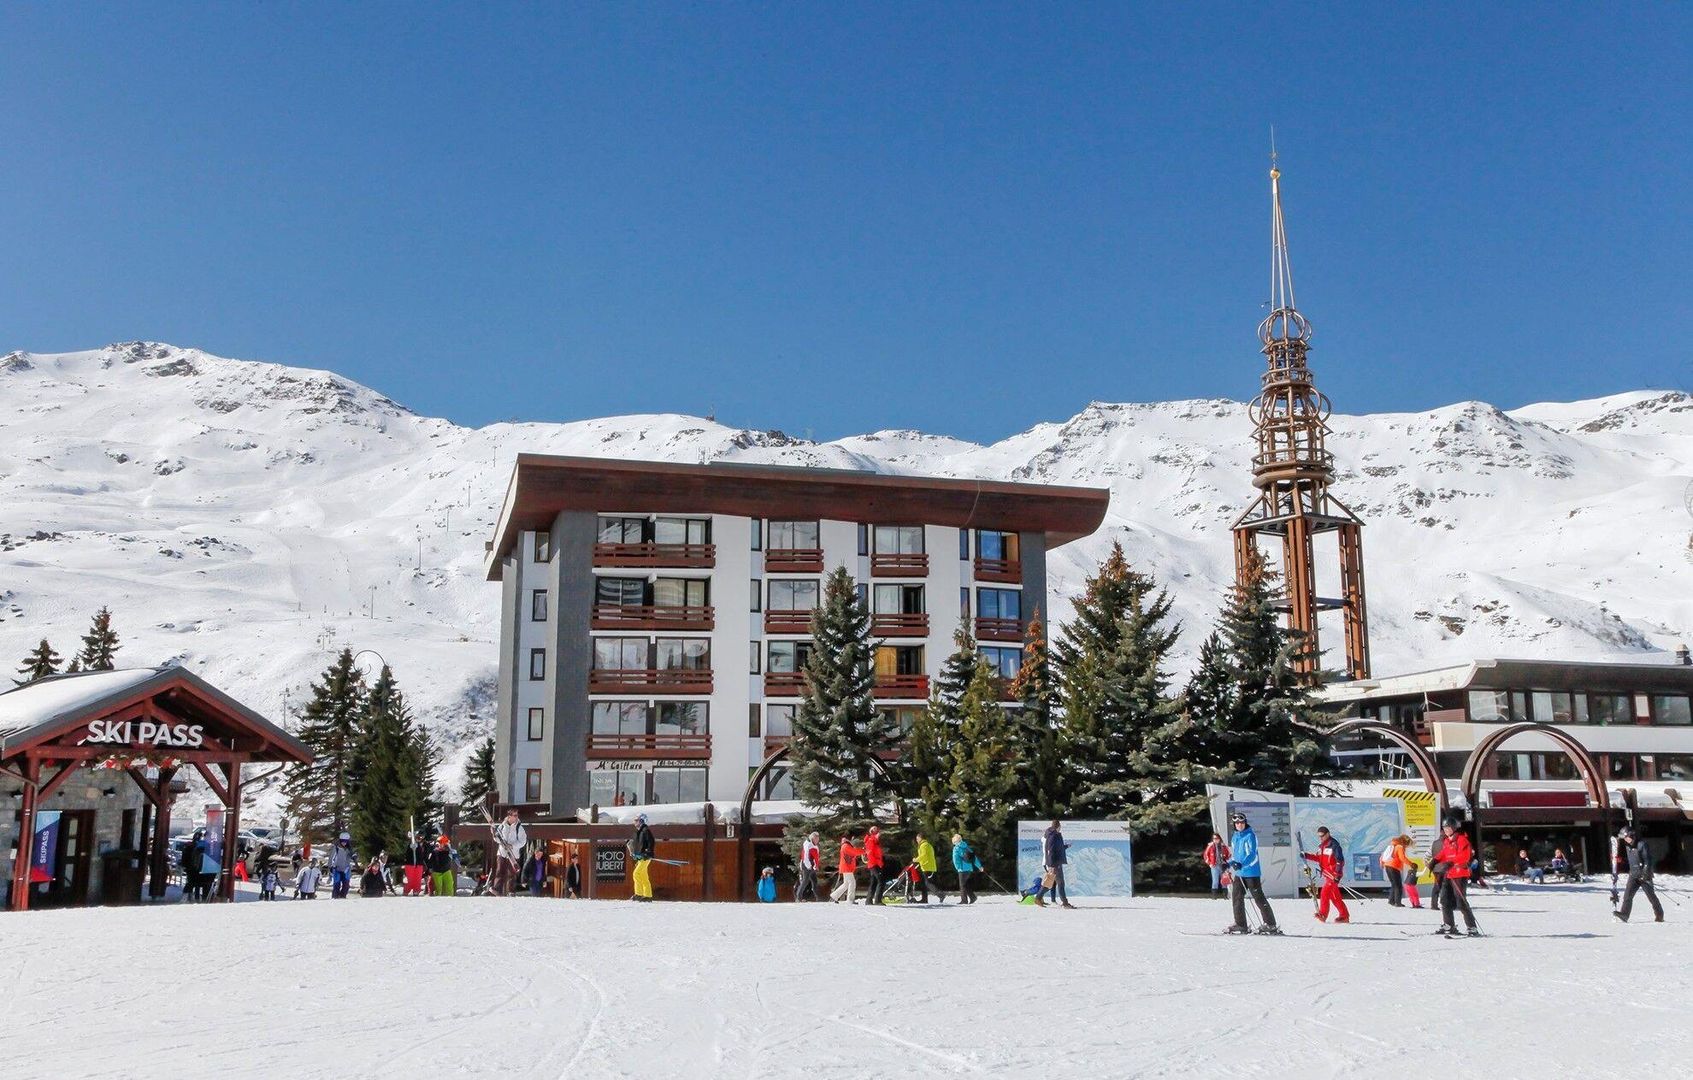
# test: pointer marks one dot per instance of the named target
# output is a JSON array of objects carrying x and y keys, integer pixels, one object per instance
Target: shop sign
[
  {"x": 144, "y": 733},
  {"x": 610, "y": 863},
  {"x": 644, "y": 764}
]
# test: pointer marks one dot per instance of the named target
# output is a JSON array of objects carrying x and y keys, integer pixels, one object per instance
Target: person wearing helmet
[
  {"x": 641, "y": 848},
  {"x": 1452, "y": 858},
  {"x": 1247, "y": 877},
  {"x": 443, "y": 879},
  {"x": 1639, "y": 874},
  {"x": 341, "y": 867}
]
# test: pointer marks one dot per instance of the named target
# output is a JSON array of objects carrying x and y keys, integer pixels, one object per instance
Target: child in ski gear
[
  {"x": 847, "y": 888},
  {"x": 1401, "y": 873},
  {"x": 267, "y": 883},
  {"x": 370, "y": 882},
  {"x": 873, "y": 859},
  {"x": 341, "y": 867},
  {"x": 305, "y": 883},
  {"x": 964, "y": 861},
  {"x": 810, "y": 860},
  {"x": 1331, "y": 863},
  {"x": 1639, "y": 857},
  {"x": 537, "y": 873},
  {"x": 641, "y": 847},
  {"x": 1217, "y": 858},
  {"x": 926, "y": 869},
  {"x": 1452, "y": 863},
  {"x": 1053, "y": 858},
  {"x": 767, "y": 886},
  {"x": 1247, "y": 877},
  {"x": 443, "y": 878}
]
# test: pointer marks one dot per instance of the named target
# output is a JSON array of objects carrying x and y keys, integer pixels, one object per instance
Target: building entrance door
[{"x": 69, "y": 887}]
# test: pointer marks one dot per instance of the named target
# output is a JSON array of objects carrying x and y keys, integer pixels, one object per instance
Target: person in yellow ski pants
[{"x": 641, "y": 847}]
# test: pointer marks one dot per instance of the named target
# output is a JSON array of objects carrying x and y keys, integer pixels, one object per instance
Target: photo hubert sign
[{"x": 145, "y": 733}]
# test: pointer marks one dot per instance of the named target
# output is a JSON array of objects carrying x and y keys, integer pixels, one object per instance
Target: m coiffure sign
[{"x": 145, "y": 733}]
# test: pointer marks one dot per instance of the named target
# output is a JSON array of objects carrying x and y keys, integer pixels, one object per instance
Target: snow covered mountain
[{"x": 249, "y": 519}]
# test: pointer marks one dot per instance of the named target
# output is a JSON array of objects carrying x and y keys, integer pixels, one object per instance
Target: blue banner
[{"x": 44, "y": 847}]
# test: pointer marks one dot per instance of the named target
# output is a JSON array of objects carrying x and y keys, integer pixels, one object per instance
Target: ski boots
[
  {"x": 1237, "y": 930},
  {"x": 1472, "y": 932},
  {"x": 1269, "y": 931}
]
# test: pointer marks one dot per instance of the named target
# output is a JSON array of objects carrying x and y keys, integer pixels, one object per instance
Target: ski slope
[{"x": 1143, "y": 988}]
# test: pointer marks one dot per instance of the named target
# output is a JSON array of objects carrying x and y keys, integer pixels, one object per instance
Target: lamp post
[{"x": 373, "y": 652}]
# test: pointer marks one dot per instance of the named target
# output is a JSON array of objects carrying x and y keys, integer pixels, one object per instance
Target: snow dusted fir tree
[
  {"x": 840, "y": 736},
  {"x": 1037, "y": 756},
  {"x": 398, "y": 777},
  {"x": 320, "y": 795},
  {"x": 926, "y": 772},
  {"x": 38, "y": 663},
  {"x": 479, "y": 779},
  {"x": 100, "y": 644},
  {"x": 981, "y": 783}
]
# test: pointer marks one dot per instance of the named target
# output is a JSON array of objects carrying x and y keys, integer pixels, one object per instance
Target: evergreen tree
[
  {"x": 320, "y": 796},
  {"x": 425, "y": 762},
  {"x": 100, "y": 644},
  {"x": 1039, "y": 762},
  {"x": 39, "y": 663},
  {"x": 1110, "y": 665},
  {"x": 839, "y": 734},
  {"x": 386, "y": 795},
  {"x": 926, "y": 769},
  {"x": 480, "y": 780},
  {"x": 74, "y": 666},
  {"x": 982, "y": 781}
]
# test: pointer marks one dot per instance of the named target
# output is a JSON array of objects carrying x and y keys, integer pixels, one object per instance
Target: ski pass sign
[{"x": 145, "y": 733}]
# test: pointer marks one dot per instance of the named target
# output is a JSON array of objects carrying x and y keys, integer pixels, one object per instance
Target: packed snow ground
[{"x": 1142, "y": 988}]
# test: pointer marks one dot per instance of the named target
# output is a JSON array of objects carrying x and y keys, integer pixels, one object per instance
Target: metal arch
[
  {"x": 1425, "y": 762},
  {"x": 1591, "y": 775}
]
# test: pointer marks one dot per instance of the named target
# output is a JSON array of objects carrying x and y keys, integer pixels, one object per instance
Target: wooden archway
[
  {"x": 1593, "y": 778},
  {"x": 744, "y": 844},
  {"x": 1427, "y": 767}
]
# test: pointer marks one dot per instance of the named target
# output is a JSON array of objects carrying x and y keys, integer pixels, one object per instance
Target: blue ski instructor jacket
[{"x": 1244, "y": 853}]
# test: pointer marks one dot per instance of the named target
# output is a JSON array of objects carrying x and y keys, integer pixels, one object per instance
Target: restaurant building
[
  {"x": 655, "y": 617},
  {"x": 1632, "y": 723}
]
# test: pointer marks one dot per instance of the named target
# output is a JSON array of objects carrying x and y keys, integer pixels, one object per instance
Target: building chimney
[{"x": 1681, "y": 655}]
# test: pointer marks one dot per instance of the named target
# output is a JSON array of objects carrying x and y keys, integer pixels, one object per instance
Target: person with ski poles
[
  {"x": 1639, "y": 857},
  {"x": 1053, "y": 858},
  {"x": 964, "y": 861},
  {"x": 414, "y": 859},
  {"x": 1619, "y": 865},
  {"x": 341, "y": 867},
  {"x": 927, "y": 867},
  {"x": 1331, "y": 863},
  {"x": 847, "y": 887},
  {"x": 443, "y": 866},
  {"x": 873, "y": 859},
  {"x": 1246, "y": 876},
  {"x": 1217, "y": 858},
  {"x": 510, "y": 839},
  {"x": 641, "y": 848},
  {"x": 810, "y": 858},
  {"x": 1452, "y": 859}
]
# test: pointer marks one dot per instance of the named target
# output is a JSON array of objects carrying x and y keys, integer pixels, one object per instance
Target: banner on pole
[
  {"x": 44, "y": 847},
  {"x": 212, "y": 862}
]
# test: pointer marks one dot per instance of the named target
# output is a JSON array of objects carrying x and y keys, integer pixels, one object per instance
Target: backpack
[{"x": 1387, "y": 853}]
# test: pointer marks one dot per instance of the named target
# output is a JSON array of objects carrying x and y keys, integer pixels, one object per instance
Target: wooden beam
[
  {"x": 146, "y": 786},
  {"x": 26, "y": 838},
  {"x": 57, "y": 782},
  {"x": 218, "y": 787},
  {"x": 95, "y": 753}
]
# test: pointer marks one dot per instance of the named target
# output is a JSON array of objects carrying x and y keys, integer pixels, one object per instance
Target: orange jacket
[
  {"x": 1396, "y": 859},
  {"x": 849, "y": 857}
]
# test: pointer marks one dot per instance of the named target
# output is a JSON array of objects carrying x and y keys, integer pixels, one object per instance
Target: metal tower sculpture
[{"x": 1292, "y": 470}]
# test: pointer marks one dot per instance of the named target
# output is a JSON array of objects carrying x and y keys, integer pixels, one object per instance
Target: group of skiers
[
  {"x": 1453, "y": 861},
  {"x": 916, "y": 879}
]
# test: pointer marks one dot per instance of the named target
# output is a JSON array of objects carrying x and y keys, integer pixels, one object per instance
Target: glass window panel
[
  {"x": 990, "y": 545},
  {"x": 963, "y": 543},
  {"x": 1006, "y": 662},
  {"x": 864, "y": 539},
  {"x": 793, "y": 595},
  {"x": 779, "y": 719},
  {"x": 620, "y": 654},
  {"x": 1519, "y": 705},
  {"x": 532, "y": 785},
  {"x": 683, "y": 654},
  {"x": 899, "y": 539},
  {"x": 1621, "y": 766},
  {"x": 1675, "y": 766},
  {"x": 537, "y": 664},
  {"x": 1582, "y": 715},
  {"x": 538, "y": 605},
  {"x": 787, "y": 656},
  {"x": 887, "y": 600},
  {"x": 681, "y": 718},
  {"x": 1671, "y": 709},
  {"x": 887, "y": 660},
  {"x": 908, "y": 659},
  {"x": 672, "y": 530},
  {"x": 620, "y": 592},
  {"x": 543, "y": 547},
  {"x": 757, "y": 533},
  {"x": 1489, "y": 706},
  {"x": 757, "y": 595},
  {"x": 620, "y": 717},
  {"x": 537, "y": 724},
  {"x": 622, "y": 530},
  {"x": 681, "y": 592},
  {"x": 1611, "y": 708},
  {"x": 794, "y": 534},
  {"x": 754, "y": 721},
  {"x": 999, "y": 603},
  {"x": 755, "y": 656}
]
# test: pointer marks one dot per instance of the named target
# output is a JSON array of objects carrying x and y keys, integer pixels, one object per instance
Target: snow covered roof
[
  {"x": 1501, "y": 673},
  {"x": 47, "y": 700}
]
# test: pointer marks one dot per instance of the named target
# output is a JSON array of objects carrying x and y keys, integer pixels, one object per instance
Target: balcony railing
[
  {"x": 1004, "y": 571},
  {"x": 658, "y": 680},
  {"x": 773, "y": 743},
  {"x": 989, "y": 628},
  {"x": 783, "y": 683},
  {"x": 901, "y": 686},
  {"x": 787, "y": 622},
  {"x": 793, "y": 561},
  {"x": 651, "y": 617},
  {"x": 684, "y": 556},
  {"x": 668, "y": 745},
  {"x": 900, "y": 624},
  {"x": 903, "y": 565}
]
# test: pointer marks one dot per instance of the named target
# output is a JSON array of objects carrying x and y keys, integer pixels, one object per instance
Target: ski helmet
[
  {"x": 1238, "y": 818},
  {"x": 442, "y": 840}
]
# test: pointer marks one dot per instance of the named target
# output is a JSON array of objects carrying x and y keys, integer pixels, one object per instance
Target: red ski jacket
[
  {"x": 1456, "y": 853},
  {"x": 873, "y": 850},
  {"x": 849, "y": 857},
  {"x": 1216, "y": 854},
  {"x": 1326, "y": 860}
]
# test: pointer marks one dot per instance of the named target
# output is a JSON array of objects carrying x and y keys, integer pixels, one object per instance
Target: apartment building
[{"x": 655, "y": 617}]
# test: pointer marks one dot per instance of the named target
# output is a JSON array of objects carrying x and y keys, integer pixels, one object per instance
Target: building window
[
  {"x": 678, "y": 785},
  {"x": 620, "y": 717},
  {"x": 963, "y": 544},
  {"x": 991, "y": 544},
  {"x": 757, "y": 595},
  {"x": 1494, "y": 707},
  {"x": 779, "y": 720},
  {"x": 617, "y": 788},
  {"x": 623, "y": 530},
  {"x": 1621, "y": 766},
  {"x": 898, "y": 600},
  {"x": 1006, "y": 662},
  {"x": 999, "y": 603},
  {"x": 543, "y": 546},
  {"x": 1671, "y": 709},
  {"x": 964, "y": 603},
  {"x": 1552, "y": 707},
  {"x": 671, "y": 530},
  {"x": 787, "y": 656},
  {"x": 794, "y": 536},
  {"x": 537, "y": 664},
  {"x": 682, "y": 592},
  {"x": 753, "y": 725},
  {"x": 757, "y": 534},
  {"x": 864, "y": 539},
  {"x": 899, "y": 660},
  {"x": 755, "y": 657},
  {"x": 902, "y": 717},
  {"x": 862, "y": 592},
  {"x": 620, "y": 653},
  {"x": 681, "y": 718},
  {"x": 620, "y": 592},
  {"x": 1609, "y": 709},
  {"x": 792, "y": 595},
  {"x": 537, "y": 722},
  {"x": 683, "y": 654},
  {"x": 532, "y": 785},
  {"x": 1675, "y": 766},
  {"x": 538, "y": 605},
  {"x": 899, "y": 539}
]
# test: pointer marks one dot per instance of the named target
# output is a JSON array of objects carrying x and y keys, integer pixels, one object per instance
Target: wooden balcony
[
  {"x": 900, "y": 625},
  {"x": 677, "y": 556},
  {"x": 910, "y": 565},
  {"x": 793, "y": 561},
  {"x": 902, "y": 686},
  {"x": 1002, "y": 571},
  {"x": 783, "y": 683},
  {"x": 787, "y": 622},
  {"x": 992, "y": 629},
  {"x": 651, "y": 617},
  {"x": 669, "y": 745},
  {"x": 773, "y": 743},
  {"x": 658, "y": 681}
]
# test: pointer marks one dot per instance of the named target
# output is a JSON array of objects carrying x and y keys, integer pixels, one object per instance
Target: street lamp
[{"x": 372, "y": 652}]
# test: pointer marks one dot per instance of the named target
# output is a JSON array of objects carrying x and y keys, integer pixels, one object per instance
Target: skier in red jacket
[
  {"x": 1332, "y": 863},
  {"x": 1451, "y": 862},
  {"x": 873, "y": 863}
]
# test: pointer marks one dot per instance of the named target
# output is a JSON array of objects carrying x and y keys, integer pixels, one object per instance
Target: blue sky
[{"x": 962, "y": 219}]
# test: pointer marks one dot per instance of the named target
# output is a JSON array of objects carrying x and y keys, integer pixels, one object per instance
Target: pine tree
[
  {"x": 100, "y": 644},
  {"x": 424, "y": 759},
  {"x": 1110, "y": 665},
  {"x": 480, "y": 780},
  {"x": 74, "y": 666},
  {"x": 320, "y": 796},
  {"x": 1040, "y": 766},
  {"x": 982, "y": 779},
  {"x": 840, "y": 736},
  {"x": 39, "y": 663},
  {"x": 386, "y": 795},
  {"x": 926, "y": 768}
]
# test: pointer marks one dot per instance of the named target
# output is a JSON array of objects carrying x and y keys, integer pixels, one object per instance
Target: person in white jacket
[
  {"x": 305, "y": 883},
  {"x": 510, "y": 838},
  {"x": 810, "y": 860}
]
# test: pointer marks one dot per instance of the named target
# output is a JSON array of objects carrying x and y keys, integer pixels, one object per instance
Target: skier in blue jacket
[
  {"x": 965, "y": 862},
  {"x": 1247, "y": 878}
]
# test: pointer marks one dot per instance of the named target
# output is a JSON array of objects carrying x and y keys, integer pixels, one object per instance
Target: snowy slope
[{"x": 236, "y": 516}]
